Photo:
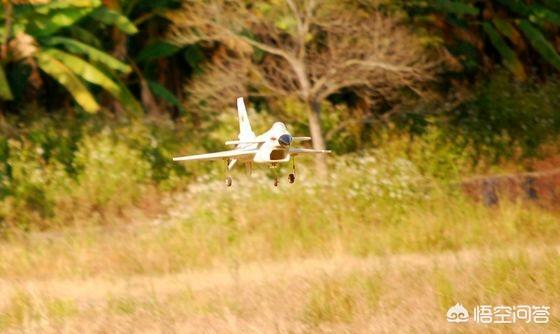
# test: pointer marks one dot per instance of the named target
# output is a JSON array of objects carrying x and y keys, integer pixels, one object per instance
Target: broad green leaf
[
  {"x": 516, "y": 6},
  {"x": 157, "y": 50},
  {"x": 85, "y": 36},
  {"x": 41, "y": 25},
  {"x": 552, "y": 4},
  {"x": 53, "y": 5},
  {"x": 507, "y": 29},
  {"x": 542, "y": 15},
  {"x": 128, "y": 100},
  {"x": 194, "y": 56},
  {"x": 91, "y": 74},
  {"x": 509, "y": 57},
  {"x": 92, "y": 53},
  {"x": 5, "y": 90},
  {"x": 85, "y": 70},
  {"x": 165, "y": 94},
  {"x": 28, "y": 10},
  {"x": 111, "y": 17},
  {"x": 455, "y": 7},
  {"x": 68, "y": 79},
  {"x": 540, "y": 43}
]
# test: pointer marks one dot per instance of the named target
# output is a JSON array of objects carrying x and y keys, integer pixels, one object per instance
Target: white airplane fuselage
[{"x": 273, "y": 147}]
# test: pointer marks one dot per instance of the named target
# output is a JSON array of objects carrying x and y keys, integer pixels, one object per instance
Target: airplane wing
[
  {"x": 238, "y": 142},
  {"x": 297, "y": 151},
  {"x": 231, "y": 154}
]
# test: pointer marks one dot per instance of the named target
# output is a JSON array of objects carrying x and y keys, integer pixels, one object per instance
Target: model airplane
[{"x": 271, "y": 148}]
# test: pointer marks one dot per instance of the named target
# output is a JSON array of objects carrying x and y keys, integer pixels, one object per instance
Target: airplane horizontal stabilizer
[{"x": 301, "y": 138}]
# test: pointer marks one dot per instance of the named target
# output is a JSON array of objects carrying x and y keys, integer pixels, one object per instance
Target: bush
[
  {"x": 110, "y": 174},
  {"x": 63, "y": 169},
  {"x": 32, "y": 185},
  {"x": 508, "y": 119}
]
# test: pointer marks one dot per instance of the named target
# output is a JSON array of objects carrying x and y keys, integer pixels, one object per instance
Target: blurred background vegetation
[
  {"x": 433, "y": 109},
  {"x": 97, "y": 96}
]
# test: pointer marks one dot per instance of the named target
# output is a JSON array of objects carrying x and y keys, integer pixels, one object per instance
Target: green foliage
[
  {"x": 109, "y": 173},
  {"x": 85, "y": 70},
  {"x": 33, "y": 186},
  {"x": 50, "y": 176},
  {"x": 540, "y": 43},
  {"x": 463, "y": 22},
  {"x": 5, "y": 91},
  {"x": 508, "y": 55},
  {"x": 47, "y": 19},
  {"x": 157, "y": 50},
  {"x": 38, "y": 29},
  {"x": 66, "y": 77},
  {"x": 506, "y": 118},
  {"x": 92, "y": 53},
  {"x": 455, "y": 7},
  {"x": 165, "y": 95},
  {"x": 111, "y": 17}
]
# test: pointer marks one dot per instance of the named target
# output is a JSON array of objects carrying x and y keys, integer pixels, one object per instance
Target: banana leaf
[
  {"x": 541, "y": 15},
  {"x": 5, "y": 90},
  {"x": 111, "y": 17},
  {"x": 91, "y": 74},
  {"x": 510, "y": 31},
  {"x": 85, "y": 70},
  {"x": 552, "y": 4},
  {"x": 509, "y": 58},
  {"x": 54, "y": 5},
  {"x": 92, "y": 53},
  {"x": 455, "y": 7},
  {"x": 517, "y": 6},
  {"x": 85, "y": 36},
  {"x": 540, "y": 43},
  {"x": 58, "y": 71},
  {"x": 128, "y": 100},
  {"x": 157, "y": 50},
  {"x": 41, "y": 25},
  {"x": 162, "y": 92}
]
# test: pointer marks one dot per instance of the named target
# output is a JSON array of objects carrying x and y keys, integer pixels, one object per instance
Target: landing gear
[
  {"x": 292, "y": 178},
  {"x": 276, "y": 181},
  {"x": 229, "y": 180}
]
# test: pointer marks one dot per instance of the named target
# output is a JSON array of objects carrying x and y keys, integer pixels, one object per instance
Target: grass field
[{"x": 372, "y": 250}]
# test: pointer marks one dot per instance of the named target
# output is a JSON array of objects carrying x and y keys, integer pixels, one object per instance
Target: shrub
[{"x": 110, "y": 174}]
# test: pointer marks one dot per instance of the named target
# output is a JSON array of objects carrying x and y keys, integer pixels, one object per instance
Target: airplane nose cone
[{"x": 285, "y": 140}]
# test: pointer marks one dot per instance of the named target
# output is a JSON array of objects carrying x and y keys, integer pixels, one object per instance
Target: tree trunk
[{"x": 314, "y": 115}]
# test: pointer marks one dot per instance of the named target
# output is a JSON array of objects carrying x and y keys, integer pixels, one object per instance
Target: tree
[
  {"x": 310, "y": 49},
  {"x": 47, "y": 36}
]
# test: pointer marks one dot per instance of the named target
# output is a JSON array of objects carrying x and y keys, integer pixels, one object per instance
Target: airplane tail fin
[{"x": 245, "y": 131}]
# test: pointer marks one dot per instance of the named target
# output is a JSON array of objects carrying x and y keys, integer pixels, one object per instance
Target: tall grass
[{"x": 370, "y": 206}]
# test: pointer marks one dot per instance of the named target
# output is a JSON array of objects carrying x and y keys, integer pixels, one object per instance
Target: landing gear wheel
[
  {"x": 229, "y": 181},
  {"x": 276, "y": 182},
  {"x": 292, "y": 178}
]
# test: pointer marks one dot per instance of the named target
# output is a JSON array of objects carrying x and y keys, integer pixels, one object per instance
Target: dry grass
[
  {"x": 406, "y": 293},
  {"x": 305, "y": 259}
]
